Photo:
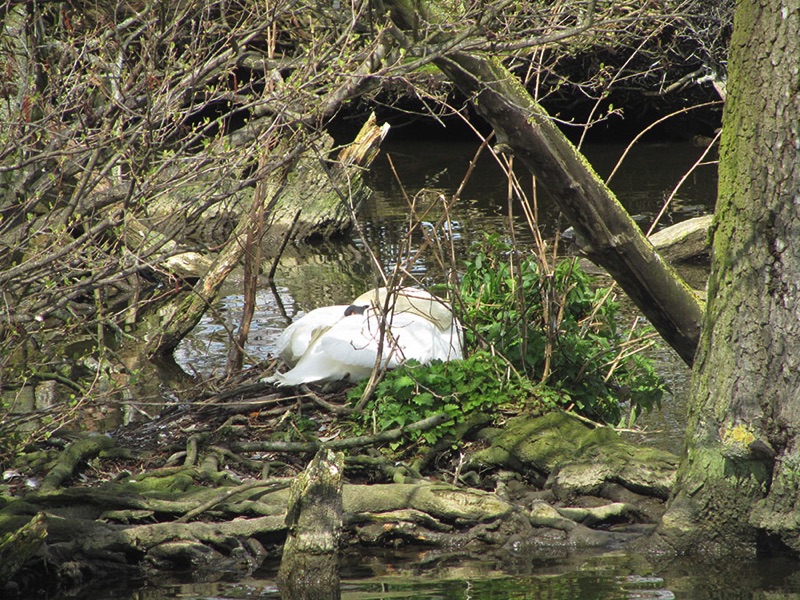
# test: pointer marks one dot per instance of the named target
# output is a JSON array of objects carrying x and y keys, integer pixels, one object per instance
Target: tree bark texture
[
  {"x": 739, "y": 485},
  {"x": 309, "y": 564}
]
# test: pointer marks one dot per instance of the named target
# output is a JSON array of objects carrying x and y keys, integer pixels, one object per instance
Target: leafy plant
[
  {"x": 461, "y": 389},
  {"x": 555, "y": 327}
]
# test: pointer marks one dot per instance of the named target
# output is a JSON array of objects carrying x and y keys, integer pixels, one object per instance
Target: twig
[
  {"x": 685, "y": 176},
  {"x": 284, "y": 243},
  {"x": 336, "y": 409},
  {"x": 390, "y": 435},
  {"x": 272, "y": 485},
  {"x": 651, "y": 126}
]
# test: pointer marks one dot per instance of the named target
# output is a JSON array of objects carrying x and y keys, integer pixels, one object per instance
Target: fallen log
[
  {"x": 687, "y": 240},
  {"x": 613, "y": 240},
  {"x": 310, "y": 197}
]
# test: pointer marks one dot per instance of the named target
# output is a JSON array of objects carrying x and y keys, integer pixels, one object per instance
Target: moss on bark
[{"x": 738, "y": 484}]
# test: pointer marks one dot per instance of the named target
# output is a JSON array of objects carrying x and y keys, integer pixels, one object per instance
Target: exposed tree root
[{"x": 207, "y": 496}]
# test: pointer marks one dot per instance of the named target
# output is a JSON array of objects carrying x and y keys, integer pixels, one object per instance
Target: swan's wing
[
  {"x": 330, "y": 346},
  {"x": 296, "y": 339},
  {"x": 424, "y": 340},
  {"x": 355, "y": 341},
  {"x": 426, "y": 305},
  {"x": 316, "y": 366}
]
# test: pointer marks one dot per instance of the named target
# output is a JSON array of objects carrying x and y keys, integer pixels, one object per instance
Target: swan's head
[{"x": 355, "y": 309}]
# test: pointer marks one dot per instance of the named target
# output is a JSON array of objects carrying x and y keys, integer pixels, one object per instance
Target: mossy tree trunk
[
  {"x": 738, "y": 487},
  {"x": 309, "y": 563}
]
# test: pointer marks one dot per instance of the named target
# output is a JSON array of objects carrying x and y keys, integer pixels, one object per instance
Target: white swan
[{"x": 342, "y": 342}]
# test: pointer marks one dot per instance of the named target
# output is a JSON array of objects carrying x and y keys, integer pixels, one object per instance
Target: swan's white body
[{"x": 343, "y": 342}]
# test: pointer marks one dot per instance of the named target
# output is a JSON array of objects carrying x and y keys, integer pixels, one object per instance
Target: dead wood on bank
[
  {"x": 309, "y": 561},
  {"x": 308, "y": 196},
  {"x": 223, "y": 510}
]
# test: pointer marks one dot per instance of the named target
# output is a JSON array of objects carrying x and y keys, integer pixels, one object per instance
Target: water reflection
[
  {"x": 415, "y": 574},
  {"x": 642, "y": 182}
]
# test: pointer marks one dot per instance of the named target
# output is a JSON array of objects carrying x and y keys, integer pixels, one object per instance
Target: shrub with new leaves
[
  {"x": 555, "y": 327},
  {"x": 539, "y": 336}
]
